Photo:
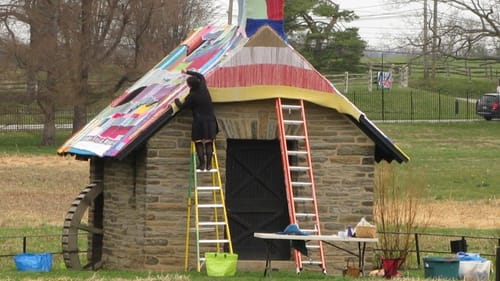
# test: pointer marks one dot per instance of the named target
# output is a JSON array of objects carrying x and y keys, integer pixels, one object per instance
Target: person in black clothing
[{"x": 204, "y": 127}]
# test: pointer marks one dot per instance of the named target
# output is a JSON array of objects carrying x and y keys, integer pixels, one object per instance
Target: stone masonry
[{"x": 145, "y": 195}]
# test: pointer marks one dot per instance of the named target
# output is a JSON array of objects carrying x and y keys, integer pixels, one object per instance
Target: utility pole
[
  {"x": 434, "y": 38},
  {"x": 426, "y": 39},
  {"x": 230, "y": 13},
  {"x": 383, "y": 86}
]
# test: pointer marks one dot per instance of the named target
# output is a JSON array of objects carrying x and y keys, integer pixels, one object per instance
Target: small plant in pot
[{"x": 397, "y": 206}]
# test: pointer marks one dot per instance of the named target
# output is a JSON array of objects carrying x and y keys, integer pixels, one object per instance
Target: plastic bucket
[
  {"x": 33, "y": 262},
  {"x": 390, "y": 267}
]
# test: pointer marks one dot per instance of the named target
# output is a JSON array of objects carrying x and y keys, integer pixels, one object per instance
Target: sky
[{"x": 379, "y": 22}]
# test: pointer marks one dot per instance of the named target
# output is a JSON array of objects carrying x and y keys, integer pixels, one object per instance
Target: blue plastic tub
[{"x": 33, "y": 262}]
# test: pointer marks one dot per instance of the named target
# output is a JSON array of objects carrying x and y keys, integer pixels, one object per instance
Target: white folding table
[{"x": 327, "y": 239}]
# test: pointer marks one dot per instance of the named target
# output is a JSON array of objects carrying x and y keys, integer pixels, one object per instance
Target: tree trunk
[
  {"x": 426, "y": 39},
  {"x": 80, "y": 105},
  {"x": 79, "y": 117},
  {"x": 44, "y": 66},
  {"x": 49, "y": 126}
]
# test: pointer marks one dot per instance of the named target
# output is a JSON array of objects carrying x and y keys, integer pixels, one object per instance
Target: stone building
[{"x": 139, "y": 152}]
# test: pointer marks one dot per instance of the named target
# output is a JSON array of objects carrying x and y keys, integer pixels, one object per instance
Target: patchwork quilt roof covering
[{"x": 237, "y": 68}]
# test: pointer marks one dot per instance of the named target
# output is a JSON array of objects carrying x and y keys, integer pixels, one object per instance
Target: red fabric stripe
[
  {"x": 200, "y": 61},
  {"x": 275, "y": 9},
  {"x": 196, "y": 38},
  {"x": 268, "y": 74},
  {"x": 115, "y": 131}
]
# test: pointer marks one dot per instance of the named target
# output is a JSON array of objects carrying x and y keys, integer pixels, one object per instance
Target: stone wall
[
  {"x": 123, "y": 214},
  {"x": 145, "y": 194}
]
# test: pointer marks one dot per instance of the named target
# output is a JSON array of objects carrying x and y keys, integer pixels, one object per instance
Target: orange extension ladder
[{"x": 299, "y": 180}]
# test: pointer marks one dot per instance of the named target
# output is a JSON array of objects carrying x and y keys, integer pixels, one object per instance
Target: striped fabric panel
[
  {"x": 256, "y": 9},
  {"x": 269, "y": 74},
  {"x": 275, "y": 9},
  {"x": 268, "y": 55}
]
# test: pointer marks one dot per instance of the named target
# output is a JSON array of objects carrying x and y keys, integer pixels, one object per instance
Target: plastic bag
[
  {"x": 463, "y": 256},
  {"x": 221, "y": 264},
  {"x": 33, "y": 262},
  {"x": 364, "y": 229}
]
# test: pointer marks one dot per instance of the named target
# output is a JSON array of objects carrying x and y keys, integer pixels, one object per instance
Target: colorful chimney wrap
[
  {"x": 256, "y": 13},
  {"x": 236, "y": 68}
]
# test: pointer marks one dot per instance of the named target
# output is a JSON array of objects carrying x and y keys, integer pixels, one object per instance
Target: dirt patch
[
  {"x": 38, "y": 190},
  {"x": 482, "y": 214}
]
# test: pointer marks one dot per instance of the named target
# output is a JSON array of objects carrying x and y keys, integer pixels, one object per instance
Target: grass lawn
[
  {"x": 454, "y": 163},
  {"x": 64, "y": 275}
]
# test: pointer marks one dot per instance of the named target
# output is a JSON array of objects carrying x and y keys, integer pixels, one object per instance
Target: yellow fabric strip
[{"x": 330, "y": 100}]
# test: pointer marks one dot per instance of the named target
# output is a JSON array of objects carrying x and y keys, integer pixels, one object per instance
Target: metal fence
[
  {"x": 407, "y": 105},
  {"x": 446, "y": 245},
  {"x": 424, "y": 244},
  {"x": 30, "y": 117},
  {"x": 397, "y": 105}
]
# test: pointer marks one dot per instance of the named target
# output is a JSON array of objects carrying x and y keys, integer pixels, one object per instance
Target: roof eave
[
  {"x": 384, "y": 148},
  {"x": 144, "y": 136}
]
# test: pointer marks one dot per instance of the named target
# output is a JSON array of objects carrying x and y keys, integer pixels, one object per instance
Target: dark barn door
[{"x": 255, "y": 197}]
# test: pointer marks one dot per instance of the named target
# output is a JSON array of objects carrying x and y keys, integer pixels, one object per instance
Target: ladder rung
[
  {"x": 208, "y": 188},
  {"x": 202, "y": 229},
  {"x": 206, "y": 193},
  {"x": 293, "y": 122},
  {"x": 303, "y": 199},
  {"x": 213, "y": 170},
  {"x": 305, "y": 215},
  {"x": 211, "y": 223},
  {"x": 312, "y": 262},
  {"x": 290, "y": 106},
  {"x": 312, "y": 247},
  {"x": 210, "y": 205},
  {"x": 290, "y": 137},
  {"x": 297, "y": 152},
  {"x": 208, "y": 241},
  {"x": 301, "y": 183},
  {"x": 299, "y": 168}
]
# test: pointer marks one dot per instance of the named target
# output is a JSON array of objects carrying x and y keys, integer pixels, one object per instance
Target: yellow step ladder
[
  {"x": 299, "y": 180},
  {"x": 206, "y": 198}
]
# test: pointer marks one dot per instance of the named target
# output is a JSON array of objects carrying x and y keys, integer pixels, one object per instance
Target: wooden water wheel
[{"x": 83, "y": 226}]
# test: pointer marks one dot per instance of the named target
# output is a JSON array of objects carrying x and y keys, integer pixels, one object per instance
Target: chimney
[{"x": 255, "y": 13}]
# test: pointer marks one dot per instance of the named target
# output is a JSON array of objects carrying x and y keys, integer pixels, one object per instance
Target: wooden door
[{"x": 256, "y": 197}]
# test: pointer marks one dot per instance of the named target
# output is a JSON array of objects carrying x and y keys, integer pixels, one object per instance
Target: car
[{"x": 489, "y": 106}]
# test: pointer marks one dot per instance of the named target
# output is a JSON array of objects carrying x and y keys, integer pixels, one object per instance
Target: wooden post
[{"x": 497, "y": 266}]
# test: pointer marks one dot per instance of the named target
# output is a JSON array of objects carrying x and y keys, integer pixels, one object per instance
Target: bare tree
[
  {"x": 37, "y": 54},
  {"x": 67, "y": 42},
  {"x": 156, "y": 28},
  {"x": 151, "y": 26},
  {"x": 469, "y": 23},
  {"x": 91, "y": 31}
]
